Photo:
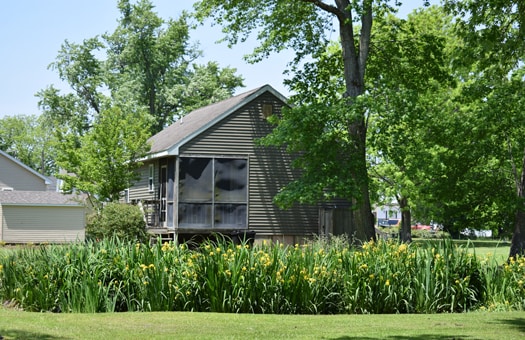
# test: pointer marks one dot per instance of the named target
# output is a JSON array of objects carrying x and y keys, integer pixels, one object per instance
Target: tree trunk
[
  {"x": 405, "y": 233},
  {"x": 354, "y": 61},
  {"x": 517, "y": 246}
]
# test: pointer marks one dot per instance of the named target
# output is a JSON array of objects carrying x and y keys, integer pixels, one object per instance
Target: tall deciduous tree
[
  {"x": 407, "y": 70},
  {"x": 145, "y": 65},
  {"x": 146, "y": 61},
  {"x": 305, "y": 27},
  {"x": 494, "y": 34},
  {"x": 27, "y": 138},
  {"x": 102, "y": 162}
]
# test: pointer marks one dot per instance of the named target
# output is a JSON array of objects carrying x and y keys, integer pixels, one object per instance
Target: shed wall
[
  {"x": 269, "y": 168},
  {"x": 140, "y": 189},
  {"x": 23, "y": 224},
  {"x": 18, "y": 178}
]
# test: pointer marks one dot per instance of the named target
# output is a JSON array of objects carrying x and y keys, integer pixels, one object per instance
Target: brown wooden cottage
[{"x": 205, "y": 174}]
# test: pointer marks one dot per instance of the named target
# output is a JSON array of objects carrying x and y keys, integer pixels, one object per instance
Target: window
[
  {"x": 213, "y": 192},
  {"x": 151, "y": 185}
]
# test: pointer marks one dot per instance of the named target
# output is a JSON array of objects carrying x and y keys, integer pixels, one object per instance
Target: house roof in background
[
  {"x": 44, "y": 198},
  {"x": 22, "y": 165},
  {"x": 168, "y": 141}
]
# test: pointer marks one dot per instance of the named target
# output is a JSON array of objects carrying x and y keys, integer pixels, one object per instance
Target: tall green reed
[{"x": 323, "y": 276}]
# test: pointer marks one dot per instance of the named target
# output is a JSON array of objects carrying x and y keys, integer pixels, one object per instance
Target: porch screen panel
[
  {"x": 231, "y": 191},
  {"x": 213, "y": 192},
  {"x": 195, "y": 192}
]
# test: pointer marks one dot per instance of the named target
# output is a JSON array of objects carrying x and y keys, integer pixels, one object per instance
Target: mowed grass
[
  {"x": 15, "y": 324},
  {"x": 174, "y": 325}
]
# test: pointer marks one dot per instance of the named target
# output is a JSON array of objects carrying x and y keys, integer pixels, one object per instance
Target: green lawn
[{"x": 495, "y": 325}]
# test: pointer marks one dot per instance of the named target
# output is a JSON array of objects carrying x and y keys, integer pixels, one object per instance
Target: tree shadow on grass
[
  {"x": 517, "y": 323},
  {"x": 417, "y": 337},
  {"x": 18, "y": 334}
]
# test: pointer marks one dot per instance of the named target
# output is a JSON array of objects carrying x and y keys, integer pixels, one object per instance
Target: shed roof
[
  {"x": 45, "y": 198},
  {"x": 168, "y": 141}
]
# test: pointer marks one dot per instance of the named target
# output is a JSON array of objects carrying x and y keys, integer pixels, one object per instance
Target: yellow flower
[
  {"x": 387, "y": 283},
  {"x": 152, "y": 266},
  {"x": 371, "y": 276}
]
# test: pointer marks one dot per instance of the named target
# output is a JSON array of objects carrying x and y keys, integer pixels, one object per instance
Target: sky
[{"x": 32, "y": 32}]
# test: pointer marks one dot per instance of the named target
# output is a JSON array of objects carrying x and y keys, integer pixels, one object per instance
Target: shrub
[{"x": 117, "y": 220}]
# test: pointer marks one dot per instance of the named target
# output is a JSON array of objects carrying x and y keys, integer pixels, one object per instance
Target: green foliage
[
  {"x": 146, "y": 63},
  {"x": 318, "y": 136},
  {"x": 102, "y": 162},
  {"x": 491, "y": 63},
  {"x": 27, "y": 138},
  {"x": 327, "y": 277},
  {"x": 123, "y": 221}
]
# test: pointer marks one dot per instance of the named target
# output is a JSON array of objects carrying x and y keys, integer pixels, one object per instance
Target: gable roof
[
  {"x": 169, "y": 140},
  {"x": 44, "y": 198},
  {"x": 22, "y": 165}
]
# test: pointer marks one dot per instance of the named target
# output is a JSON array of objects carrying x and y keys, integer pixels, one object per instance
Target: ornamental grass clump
[
  {"x": 319, "y": 277},
  {"x": 503, "y": 285}
]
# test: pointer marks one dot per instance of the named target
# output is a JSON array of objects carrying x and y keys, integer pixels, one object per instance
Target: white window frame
[{"x": 151, "y": 178}]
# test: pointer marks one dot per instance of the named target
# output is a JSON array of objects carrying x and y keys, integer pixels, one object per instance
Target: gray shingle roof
[
  {"x": 39, "y": 198},
  {"x": 191, "y": 124}
]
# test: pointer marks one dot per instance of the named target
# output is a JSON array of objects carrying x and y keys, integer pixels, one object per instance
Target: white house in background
[
  {"x": 31, "y": 212},
  {"x": 385, "y": 213}
]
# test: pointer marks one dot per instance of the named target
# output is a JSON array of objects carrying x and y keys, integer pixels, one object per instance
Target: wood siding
[
  {"x": 140, "y": 189},
  {"x": 23, "y": 224},
  {"x": 269, "y": 168},
  {"x": 14, "y": 176}
]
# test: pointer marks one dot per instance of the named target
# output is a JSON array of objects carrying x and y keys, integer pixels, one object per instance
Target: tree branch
[
  {"x": 326, "y": 7},
  {"x": 364, "y": 39}
]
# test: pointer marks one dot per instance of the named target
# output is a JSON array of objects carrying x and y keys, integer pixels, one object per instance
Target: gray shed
[
  {"x": 41, "y": 216},
  {"x": 206, "y": 173}
]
